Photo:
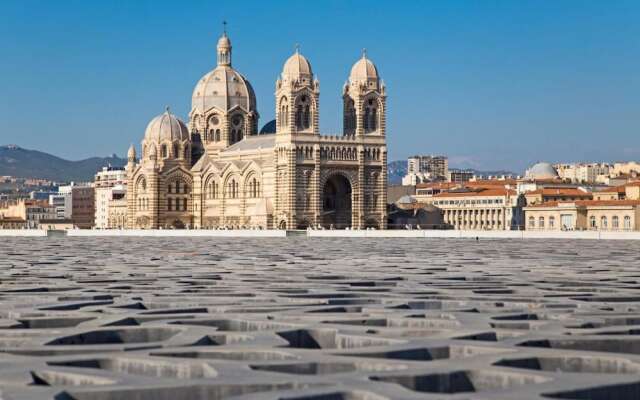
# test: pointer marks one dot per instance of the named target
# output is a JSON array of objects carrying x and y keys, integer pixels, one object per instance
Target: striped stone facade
[{"x": 292, "y": 178}]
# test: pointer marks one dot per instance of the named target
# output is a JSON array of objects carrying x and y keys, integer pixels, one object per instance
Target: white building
[
  {"x": 584, "y": 172},
  {"x": 108, "y": 183},
  {"x": 422, "y": 169},
  {"x": 62, "y": 204}
]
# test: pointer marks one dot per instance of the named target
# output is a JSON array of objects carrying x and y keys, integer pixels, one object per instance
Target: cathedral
[{"x": 218, "y": 171}]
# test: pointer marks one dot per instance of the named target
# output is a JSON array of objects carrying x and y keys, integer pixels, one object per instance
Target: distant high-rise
[
  {"x": 437, "y": 166},
  {"x": 110, "y": 184},
  {"x": 426, "y": 168}
]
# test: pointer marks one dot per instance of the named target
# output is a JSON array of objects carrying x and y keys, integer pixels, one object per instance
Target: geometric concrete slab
[{"x": 318, "y": 318}]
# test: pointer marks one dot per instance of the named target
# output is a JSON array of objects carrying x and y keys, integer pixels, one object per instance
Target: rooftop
[
  {"x": 587, "y": 203},
  {"x": 479, "y": 193}
]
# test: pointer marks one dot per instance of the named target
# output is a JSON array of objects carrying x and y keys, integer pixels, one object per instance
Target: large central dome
[{"x": 224, "y": 88}]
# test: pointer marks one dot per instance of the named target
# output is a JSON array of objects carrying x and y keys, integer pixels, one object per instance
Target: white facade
[
  {"x": 62, "y": 204},
  {"x": 584, "y": 172},
  {"x": 108, "y": 182},
  {"x": 412, "y": 179},
  {"x": 421, "y": 169}
]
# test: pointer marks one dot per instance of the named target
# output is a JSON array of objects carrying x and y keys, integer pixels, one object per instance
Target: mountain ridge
[{"x": 25, "y": 163}]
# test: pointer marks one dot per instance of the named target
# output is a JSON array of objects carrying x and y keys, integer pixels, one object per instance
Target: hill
[{"x": 24, "y": 163}]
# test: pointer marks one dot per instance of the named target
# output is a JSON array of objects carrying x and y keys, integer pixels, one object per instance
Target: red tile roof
[
  {"x": 479, "y": 193},
  {"x": 571, "y": 192},
  {"x": 588, "y": 203},
  {"x": 613, "y": 189}
]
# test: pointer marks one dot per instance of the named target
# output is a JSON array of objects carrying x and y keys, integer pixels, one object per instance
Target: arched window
[
  {"x": 142, "y": 185},
  {"x": 603, "y": 222},
  {"x": 232, "y": 189},
  {"x": 349, "y": 117},
  {"x": 592, "y": 222},
  {"x": 213, "y": 190},
  {"x": 541, "y": 222},
  {"x": 306, "y": 116},
  {"x": 299, "y": 117},
  {"x": 283, "y": 120},
  {"x": 237, "y": 125},
  {"x": 627, "y": 222},
  {"x": 615, "y": 222},
  {"x": 374, "y": 119},
  {"x": 213, "y": 124},
  {"x": 254, "y": 188},
  {"x": 366, "y": 119},
  {"x": 532, "y": 222}
]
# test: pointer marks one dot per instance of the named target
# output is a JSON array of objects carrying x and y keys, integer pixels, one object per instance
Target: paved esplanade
[{"x": 302, "y": 318}]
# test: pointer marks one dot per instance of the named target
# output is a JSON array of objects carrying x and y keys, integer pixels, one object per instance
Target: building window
[
  {"x": 615, "y": 223},
  {"x": 254, "y": 188},
  {"x": 212, "y": 190},
  {"x": 603, "y": 222},
  {"x": 232, "y": 189}
]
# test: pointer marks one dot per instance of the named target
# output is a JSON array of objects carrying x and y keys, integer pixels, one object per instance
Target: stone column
[
  {"x": 291, "y": 188},
  {"x": 357, "y": 216},
  {"x": 197, "y": 201},
  {"x": 316, "y": 190},
  {"x": 382, "y": 184},
  {"x": 153, "y": 187}
]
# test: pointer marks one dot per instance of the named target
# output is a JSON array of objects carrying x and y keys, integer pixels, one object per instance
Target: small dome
[
  {"x": 224, "y": 41},
  {"x": 363, "y": 71},
  {"x": 166, "y": 127},
  {"x": 542, "y": 170},
  {"x": 297, "y": 67},
  {"x": 406, "y": 202},
  {"x": 269, "y": 127}
]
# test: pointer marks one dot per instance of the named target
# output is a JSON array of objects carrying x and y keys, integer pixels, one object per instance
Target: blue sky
[{"x": 491, "y": 84}]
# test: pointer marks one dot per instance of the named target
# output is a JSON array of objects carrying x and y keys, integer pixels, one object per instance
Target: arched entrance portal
[{"x": 336, "y": 202}]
